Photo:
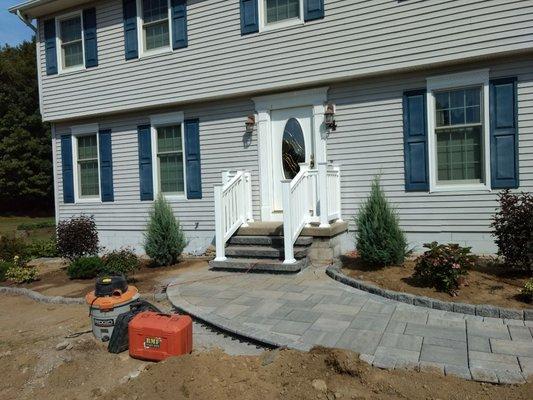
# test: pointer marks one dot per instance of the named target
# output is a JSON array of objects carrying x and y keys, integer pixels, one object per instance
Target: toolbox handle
[{"x": 164, "y": 315}]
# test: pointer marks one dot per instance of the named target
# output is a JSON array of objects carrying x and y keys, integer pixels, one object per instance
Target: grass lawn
[{"x": 8, "y": 226}]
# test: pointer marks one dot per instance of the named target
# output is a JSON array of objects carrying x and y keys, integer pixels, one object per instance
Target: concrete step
[
  {"x": 273, "y": 241},
  {"x": 262, "y": 252},
  {"x": 258, "y": 265}
]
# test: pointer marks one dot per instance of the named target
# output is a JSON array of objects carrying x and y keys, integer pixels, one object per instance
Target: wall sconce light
[
  {"x": 329, "y": 118},
  {"x": 250, "y": 123}
]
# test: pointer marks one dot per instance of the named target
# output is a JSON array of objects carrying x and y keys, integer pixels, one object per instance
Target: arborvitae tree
[
  {"x": 380, "y": 240},
  {"x": 25, "y": 145},
  {"x": 164, "y": 240}
]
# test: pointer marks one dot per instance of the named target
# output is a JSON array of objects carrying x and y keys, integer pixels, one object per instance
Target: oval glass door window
[{"x": 292, "y": 148}]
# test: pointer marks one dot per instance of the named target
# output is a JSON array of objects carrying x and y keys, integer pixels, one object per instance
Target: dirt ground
[
  {"x": 32, "y": 366},
  {"x": 54, "y": 281},
  {"x": 485, "y": 285}
]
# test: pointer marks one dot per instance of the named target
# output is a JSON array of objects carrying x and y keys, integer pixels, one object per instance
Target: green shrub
[
  {"x": 36, "y": 225},
  {"x": 442, "y": 265},
  {"x": 164, "y": 240},
  {"x": 19, "y": 272},
  {"x": 123, "y": 261},
  {"x": 85, "y": 268},
  {"x": 11, "y": 247},
  {"x": 527, "y": 291},
  {"x": 380, "y": 241},
  {"x": 77, "y": 237},
  {"x": 513, "y": 229},
  {"x": 4, "y": 266},
  {"x": 42, "y": 248}
]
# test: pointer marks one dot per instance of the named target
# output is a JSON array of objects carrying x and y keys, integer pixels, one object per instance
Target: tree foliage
[
  {"x": 25, "y": 145},
  {"x": 164, "y": 239},
  {"x": 380, "y": 240}
]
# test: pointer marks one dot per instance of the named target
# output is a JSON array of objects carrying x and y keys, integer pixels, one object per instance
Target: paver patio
[{"x": 308, "y": 309}]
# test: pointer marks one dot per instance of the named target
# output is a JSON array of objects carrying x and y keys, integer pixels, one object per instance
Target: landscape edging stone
[
  {"x": 484, "y": 310},
  {"x": 41, "y": 298}
]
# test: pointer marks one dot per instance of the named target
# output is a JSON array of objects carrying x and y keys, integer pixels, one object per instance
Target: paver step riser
[
  {"x": 258, "y": 265},
  {"x": 263, "y": 252},
  {"x": 272, "y": 241}
]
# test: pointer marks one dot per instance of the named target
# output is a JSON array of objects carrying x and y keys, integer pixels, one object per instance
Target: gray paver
[
  {"x": 446, "y": 355},
  {"x": 399, "y": 341},
  {"x": 510, "y": 377},
  {"x": 309, "y": 309},
  {"x": 511, "y": 347}
]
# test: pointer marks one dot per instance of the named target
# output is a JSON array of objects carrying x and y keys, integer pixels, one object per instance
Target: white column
[
  {"x": 265, "y": 161},
  {"x": 249, "y": 212},
  {"x": 323, "y": 194},
  {"x": 338, "y": 189},
  {"x": 287, "y": 222},
  {"x": 219, "y": 225}
]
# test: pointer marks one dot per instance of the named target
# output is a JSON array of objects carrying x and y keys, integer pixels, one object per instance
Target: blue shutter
[
  {"x": 415, "y": 144},
  {"x": 89, "y": 37},
  {"x": 503, "y": 134},
  {"x": 179, "y": 24},
  {"x": 130, "y": 29},
  {"x": 145, "y": 162},
  {"x": 249, "y": 17},
  {"x": 50, "y": 46},
  {"x": 192, "y": 159},
  {"x": 313, "y": 9},
  {"x": 66, "y": 168},
  {"x": 106, "y": 165}
]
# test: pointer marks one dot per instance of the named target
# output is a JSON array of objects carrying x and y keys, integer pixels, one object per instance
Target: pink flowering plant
[{"x": 442, "y": 265}]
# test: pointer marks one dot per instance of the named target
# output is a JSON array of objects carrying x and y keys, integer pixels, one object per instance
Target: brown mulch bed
[
  {"x": 54, "y": 281},
  {"x": 488, "y": 284}
]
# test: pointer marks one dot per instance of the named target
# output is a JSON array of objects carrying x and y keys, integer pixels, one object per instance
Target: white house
[{"x": 237, "y": 100}]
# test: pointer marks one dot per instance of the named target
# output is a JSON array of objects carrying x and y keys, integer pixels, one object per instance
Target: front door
[{"x": 292, "y": 143}]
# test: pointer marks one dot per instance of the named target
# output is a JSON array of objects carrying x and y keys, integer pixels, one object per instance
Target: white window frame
[
  {"x": 457, "y": 81},
  {"x": 76, "y": 132},
  {"x": 140, "y": 33},
  {"x": 59, "y": 53},
  {"x": 264, "y": 27},
  {"x": 161, "y": 120}
]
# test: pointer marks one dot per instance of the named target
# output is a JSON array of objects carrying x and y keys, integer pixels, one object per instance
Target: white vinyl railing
[
  {"x": 297, "y": 203},
  {"x": 233, "y": 207}
]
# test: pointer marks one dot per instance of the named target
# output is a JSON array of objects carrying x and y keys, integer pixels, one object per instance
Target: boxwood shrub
[{"x": 85, "y": 268}]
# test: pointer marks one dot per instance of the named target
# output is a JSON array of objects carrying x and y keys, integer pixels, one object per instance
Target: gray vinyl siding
[
  {"x": 368, "y": 141},
  {"x": 356, "y": 38},
  {"x": 221, "y": 148}
]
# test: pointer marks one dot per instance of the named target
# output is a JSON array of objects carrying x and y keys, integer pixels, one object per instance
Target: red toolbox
[{"x": 155, "y": 337}]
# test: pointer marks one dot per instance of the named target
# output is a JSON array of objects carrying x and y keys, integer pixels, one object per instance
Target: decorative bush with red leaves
[
  {"x": 77, "y": 237},
  {"x": 513, "y": 229},
  {"x": 442, "y": 265}
]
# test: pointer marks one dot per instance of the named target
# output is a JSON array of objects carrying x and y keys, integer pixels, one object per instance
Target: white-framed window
[
  {"x": 85, "y": 153},
  {"x": 155, "y": 27},
  {"x": 70, "y": 46},
  {"x": 168, "y": 153},
  {"x": 458, "y": 122},
  {"x": 280, "y": 13}
]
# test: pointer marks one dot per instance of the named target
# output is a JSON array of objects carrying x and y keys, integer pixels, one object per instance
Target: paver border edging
[
  {"x": 41, "y": 298},
  {"x": 334, "y": 271}
]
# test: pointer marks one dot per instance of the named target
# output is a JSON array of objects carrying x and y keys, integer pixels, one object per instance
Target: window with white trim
[
  {"x": 281, "y": 10},
  {"x": 459, "y": 136},
  {"x": 170, "y": 163},
  {"x": 87, "y": 166},
  {"x": 155, "y": 24},
  {"x": 70, "y": 37}
]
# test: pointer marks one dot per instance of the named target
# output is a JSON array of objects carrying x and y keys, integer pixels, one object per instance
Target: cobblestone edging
[
  {"x": 483, "y": 310},
  {"x": 41, "y": 298}
]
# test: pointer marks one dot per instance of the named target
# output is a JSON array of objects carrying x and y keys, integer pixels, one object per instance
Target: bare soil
[
  {"x": 487, "y": 284},
  {"x": 54, "y": 281},
  {"x": 32, "y": 368}
]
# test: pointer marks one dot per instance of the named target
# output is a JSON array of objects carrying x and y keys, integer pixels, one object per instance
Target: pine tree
[
  {"x": 25, "y": 144},
  {"x": 164, "y": 239},
  {"x": 380, "y": 240}
]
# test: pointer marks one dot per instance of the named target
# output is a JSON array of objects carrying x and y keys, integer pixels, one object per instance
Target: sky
[{"x": 12, "y": 30}]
